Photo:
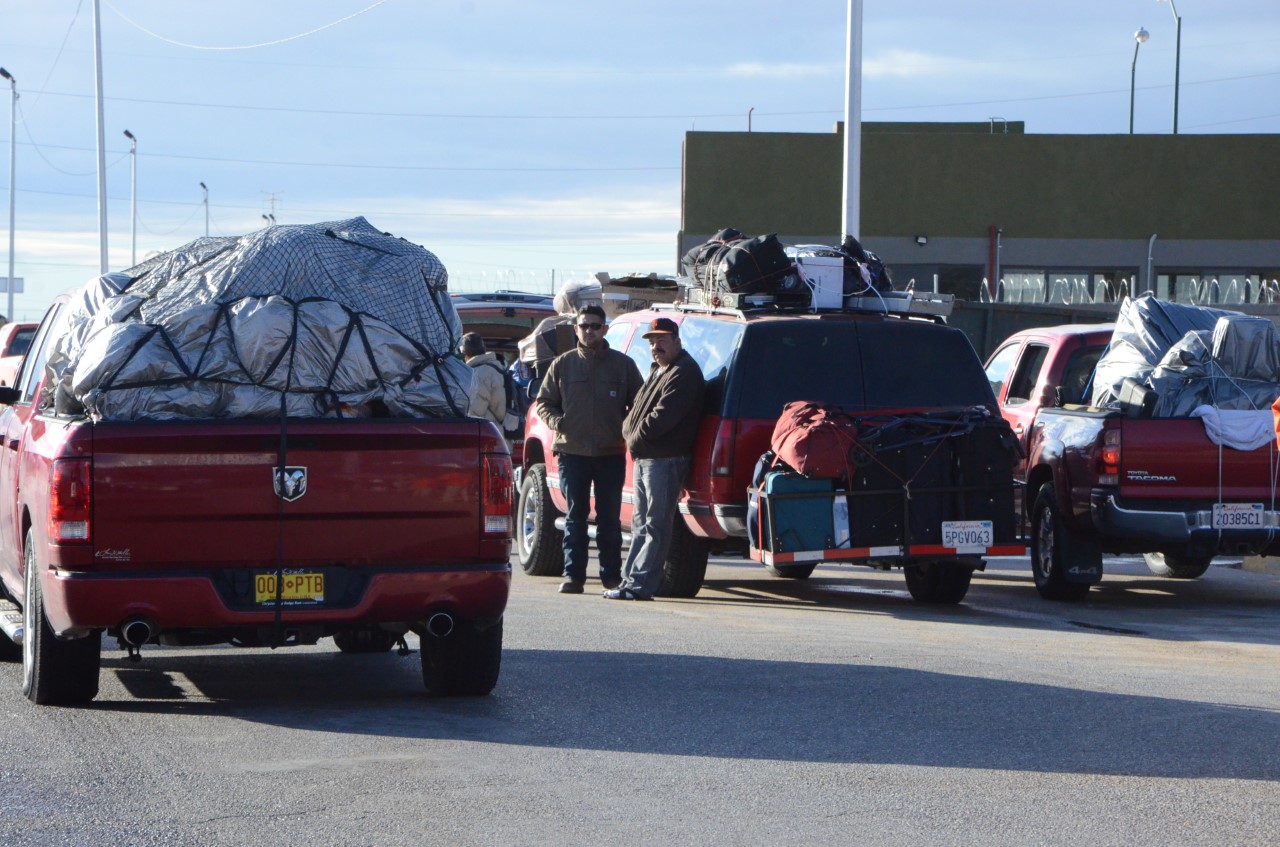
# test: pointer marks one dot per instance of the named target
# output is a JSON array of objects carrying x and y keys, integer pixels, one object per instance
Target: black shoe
[
  {"x": 610, "y": 582},
  {"x": 570, "y": 587}
]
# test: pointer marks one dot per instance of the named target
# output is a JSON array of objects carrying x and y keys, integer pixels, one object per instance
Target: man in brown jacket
[
  {"x": 583, "y": 399},
  {"x": 660, "y": 430}
]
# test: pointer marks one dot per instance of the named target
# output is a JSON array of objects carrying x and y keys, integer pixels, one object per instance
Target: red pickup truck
[
  {"x": 246, "y": 531},
  {"x": 1123, "y": 478}
]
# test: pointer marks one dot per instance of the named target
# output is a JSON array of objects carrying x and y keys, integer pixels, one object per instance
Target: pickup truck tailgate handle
[{"x": 12, "y": 444}]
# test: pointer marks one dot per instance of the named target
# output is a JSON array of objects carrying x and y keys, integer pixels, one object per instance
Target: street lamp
[
  {"x": 1139, "y": 38},
  {"x": 1177, "y": 59},
  {"x": 206, "y": 209},
  {"x": 133, "y": 198},
  {"x": 13, "y": 161}
]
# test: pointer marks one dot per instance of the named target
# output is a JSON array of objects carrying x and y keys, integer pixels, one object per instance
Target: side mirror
[{"x": 8, "y": 395}]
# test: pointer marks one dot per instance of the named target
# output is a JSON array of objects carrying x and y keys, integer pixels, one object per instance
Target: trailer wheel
[
  {"x": 464, "y": 663},
  {"x": 539, "y": 545},
  {"x": 792, "y": 571},
  {"x": 1177, "y": 567},
  {"x": 942, "y": 581},
  {"x": 686, "y": 564},
  {"x": 54, "y": 671},
  {"x": 1054, "y": 549}
]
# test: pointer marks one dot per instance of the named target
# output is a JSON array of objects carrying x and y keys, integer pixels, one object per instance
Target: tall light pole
[
  {"x": 205, "y": 188},
  {"x": 102, "y": 143},
  {"x": 853, "y": 125},
  {"x": 1139, "y": 38},
  {"x": 133, "y": 197},
  {"x": 13, "y": 169},
  {"x": 1177, "y": 59}
]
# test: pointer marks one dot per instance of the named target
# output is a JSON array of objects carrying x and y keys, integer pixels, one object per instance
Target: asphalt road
[{"x": 764, "y": 711}]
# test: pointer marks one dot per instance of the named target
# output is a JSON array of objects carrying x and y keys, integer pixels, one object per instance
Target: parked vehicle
[
  {"x": 362, "y": 522},
  {"x": 15, "y": 338},
  {"x": 755, "y": 361},
  {"x": 503, "y": 318},
  {"x": 1124, "y": 479}
]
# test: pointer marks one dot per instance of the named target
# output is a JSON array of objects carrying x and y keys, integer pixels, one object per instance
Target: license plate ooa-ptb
[{"x": 295, "y": 588}]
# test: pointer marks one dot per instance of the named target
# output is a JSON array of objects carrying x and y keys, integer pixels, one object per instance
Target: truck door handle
[{"x": 1019, "y": 429}]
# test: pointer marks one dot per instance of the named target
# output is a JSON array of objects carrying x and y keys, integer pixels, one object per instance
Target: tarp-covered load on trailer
[{"x": 314, "y": 320}]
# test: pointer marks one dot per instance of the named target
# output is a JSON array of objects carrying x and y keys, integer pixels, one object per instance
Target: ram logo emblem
[{"x": 290, "y": 482}]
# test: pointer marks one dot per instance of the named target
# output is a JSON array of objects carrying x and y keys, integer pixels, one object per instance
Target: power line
[{"x": 166, "y": 40}]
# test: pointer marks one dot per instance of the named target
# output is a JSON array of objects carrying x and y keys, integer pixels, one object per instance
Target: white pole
[
  {"x": 852, "y": 223},
  {"x": 102, "y": 143},
  {"x": 13, "y": 168},
  {"x": 133, "y": 198}
]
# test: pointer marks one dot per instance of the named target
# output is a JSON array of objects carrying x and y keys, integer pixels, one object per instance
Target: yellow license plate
[{"x": 295, "y": 588}]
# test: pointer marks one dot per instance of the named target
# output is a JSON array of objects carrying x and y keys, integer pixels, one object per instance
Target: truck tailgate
[
  {"x": 365, "y": 492},
  {"x": 1165, "y": 458}
]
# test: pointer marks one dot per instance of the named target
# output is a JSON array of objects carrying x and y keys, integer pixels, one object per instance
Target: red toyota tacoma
[
  {"x": 258, "y": 532},
  {"x": 1127, "y": 464}
]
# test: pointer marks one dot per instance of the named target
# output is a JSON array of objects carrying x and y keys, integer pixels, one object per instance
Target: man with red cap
[{"x": 660, "y": 430}]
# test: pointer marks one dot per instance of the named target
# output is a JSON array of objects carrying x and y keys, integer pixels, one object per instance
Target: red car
[{"x": 15, "y": 339}]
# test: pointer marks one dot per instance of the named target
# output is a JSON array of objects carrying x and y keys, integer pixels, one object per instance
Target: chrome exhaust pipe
[
  {"x": 136, "y": 631},
  {"x": 440, "y": 624}
]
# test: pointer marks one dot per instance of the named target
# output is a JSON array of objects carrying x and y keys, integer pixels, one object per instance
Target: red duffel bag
[{"x": 815, "y": 440}]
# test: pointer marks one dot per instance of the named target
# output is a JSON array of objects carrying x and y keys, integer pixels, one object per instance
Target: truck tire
[
  {"x": 686, "y": 564},
  {"x": 464, "y": 663},
  {"x": 792, "y": 571},
  {"x": 942, "y": 581},
  {"x": 372, "y": 639},
  {"x": 1177, "y": 567},
  {"x": 539, "y": 545},
  {"x": 1054, "y": 549},
  {"x": 54, "y": 672}
]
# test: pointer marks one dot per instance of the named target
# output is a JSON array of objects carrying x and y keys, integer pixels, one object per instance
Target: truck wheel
[
  {"x": 792, "y": 571},
  {"x": 373, "y": 639},
  {"x": 941, "y": 581},
  {"x": 1177, "y": 567},
  {"x": 539, "y": 545},
  {"x": 1054, "y": 549},
  {"x": 465, "y": 662},
  {"x": 54, "y": 672},
  {"x": 686, "y": 564}
]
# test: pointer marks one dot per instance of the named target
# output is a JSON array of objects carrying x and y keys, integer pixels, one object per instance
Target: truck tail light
[
  {"x": 722, "y": 461},
  {"x": 70, "y": 500},
  {"x": 496, "y": 493},
  {"x": 1109, "y": 458}
]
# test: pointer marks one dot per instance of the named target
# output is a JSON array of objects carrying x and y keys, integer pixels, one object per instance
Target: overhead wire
[{"x": 284, "y": 40}]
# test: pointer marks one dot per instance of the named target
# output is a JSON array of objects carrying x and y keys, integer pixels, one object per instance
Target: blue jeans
[
  {"x": 577, "y": 474},
  {"x": 657, "y": 484}
]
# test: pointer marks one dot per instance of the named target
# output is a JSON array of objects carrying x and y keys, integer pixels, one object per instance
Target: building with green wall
[{"x": 1053, "y": 218}]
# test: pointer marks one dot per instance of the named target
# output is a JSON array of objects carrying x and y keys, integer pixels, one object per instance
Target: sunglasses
[{"x": 591, "y": 326}]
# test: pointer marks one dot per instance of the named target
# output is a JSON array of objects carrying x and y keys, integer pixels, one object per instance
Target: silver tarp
[
  {"x": 1191, "y": 356},
  {"x": 314, "y": 320}
]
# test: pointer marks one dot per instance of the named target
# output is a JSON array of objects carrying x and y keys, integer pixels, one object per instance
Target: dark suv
[{"x": 755, "y": 362}]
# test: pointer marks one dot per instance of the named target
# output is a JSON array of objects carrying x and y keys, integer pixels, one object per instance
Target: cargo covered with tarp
[
  {"x": 315, "y": 320},
  {"x": 1189, "y": 357}
]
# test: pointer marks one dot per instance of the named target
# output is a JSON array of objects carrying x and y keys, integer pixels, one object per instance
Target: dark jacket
[
  {"x": 663, "y": 421},
  {"x": 584, "y": 398}
]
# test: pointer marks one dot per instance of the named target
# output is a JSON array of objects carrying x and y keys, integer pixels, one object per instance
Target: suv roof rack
[{"x": 904, "y": 303}]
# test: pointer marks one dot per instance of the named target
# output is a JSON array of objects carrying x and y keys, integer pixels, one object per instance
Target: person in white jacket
[{"x": 488, "y": 389}]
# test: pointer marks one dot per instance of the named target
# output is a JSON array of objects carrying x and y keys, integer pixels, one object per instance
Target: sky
[{"x": 526, "y": 144}]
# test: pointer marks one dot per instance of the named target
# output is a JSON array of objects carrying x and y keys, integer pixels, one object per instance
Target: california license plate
[
  {"x": 967, "y": 536},
  {"x": 294, "y": 588},
  {"x": 1237, "y": 515}
]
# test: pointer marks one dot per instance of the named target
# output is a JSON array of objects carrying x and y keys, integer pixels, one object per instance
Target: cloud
[
  {"x": 782, "y": 70},
  {"x": 910, "y": 64}
]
